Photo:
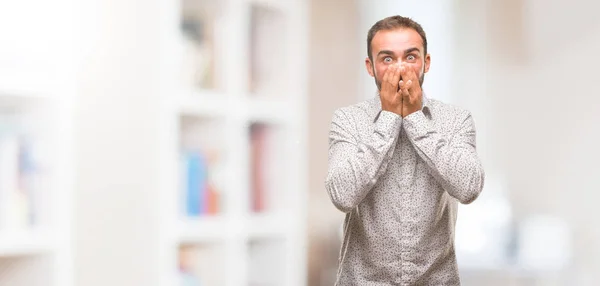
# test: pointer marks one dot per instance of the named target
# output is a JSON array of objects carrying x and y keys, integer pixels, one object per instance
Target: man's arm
[
  {"x": 354, "y": 166},
  {"x": 453, "y": 161}
]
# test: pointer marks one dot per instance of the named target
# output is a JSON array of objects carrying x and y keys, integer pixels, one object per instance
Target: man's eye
[
  {"x": 410, "y": 58},
  {"x": 387, "y": 59}
]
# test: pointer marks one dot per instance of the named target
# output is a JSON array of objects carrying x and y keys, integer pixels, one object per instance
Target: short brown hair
[{"x": 395, "y": 22}]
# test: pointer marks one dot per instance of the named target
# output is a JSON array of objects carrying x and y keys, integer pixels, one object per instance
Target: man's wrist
[
  {"x": 415, "y": 124},
  {"x": 388, "y": 122}
]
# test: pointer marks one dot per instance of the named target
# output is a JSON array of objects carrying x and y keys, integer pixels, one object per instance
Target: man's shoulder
[
  {"x": 356, "y": 111},
  {"x": 447, "y": 109}
]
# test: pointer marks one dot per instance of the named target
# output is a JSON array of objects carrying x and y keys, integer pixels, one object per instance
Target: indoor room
[{"x": 186, "y": 142}]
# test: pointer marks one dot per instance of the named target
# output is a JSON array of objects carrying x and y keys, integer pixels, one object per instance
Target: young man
[{"x": 398, "y": 165}]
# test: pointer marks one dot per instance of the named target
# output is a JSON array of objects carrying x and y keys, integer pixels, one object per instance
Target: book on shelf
[
  {"x": 268, "y": 65},
  {"x": 201, "y": 195},
  {"x": 266, "y": 157},
  {"x": 257, "y": 143},
  {"x": 201, "y": 264},
  {"x": 198, "y": 49},
  {"x": 20, "y": 193},
  {"x": 186, "y": 272}
]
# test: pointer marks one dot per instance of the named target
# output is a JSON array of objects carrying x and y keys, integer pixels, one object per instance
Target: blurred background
[{"x": 184, "y": 142}]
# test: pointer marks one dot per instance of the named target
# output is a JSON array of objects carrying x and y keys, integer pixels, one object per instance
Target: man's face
[{"x": 402, "y": 45}]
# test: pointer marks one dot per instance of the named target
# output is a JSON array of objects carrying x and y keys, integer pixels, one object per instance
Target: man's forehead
[{"x": 397, "y": 40}]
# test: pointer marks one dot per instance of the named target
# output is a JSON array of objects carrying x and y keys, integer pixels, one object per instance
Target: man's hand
[
  {"x": 410, "y": 89},
  {"x": 391, "y": 99}
]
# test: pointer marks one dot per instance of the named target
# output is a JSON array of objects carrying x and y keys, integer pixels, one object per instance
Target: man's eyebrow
[
  {"x": 410, "y": 50},
  {"x": 385, "y": 52}
]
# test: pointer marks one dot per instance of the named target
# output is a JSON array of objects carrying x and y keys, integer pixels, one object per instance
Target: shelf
[
  {"x": 213, "y": 229},
  {"x": 25, "y": 243},
  {"x": 234, "y": 131},
  {"x": 211, "y": 104},
  {"x": 270, "y": 111},
  {"x": 280, "y": 5},
  {"x": 11, "y": 100},
  {"x": 202, "y": 230},
  {"x": 27, "y": 85},
  {"x": 267, "y": 225},
  {"x": 203, "y": 103}
]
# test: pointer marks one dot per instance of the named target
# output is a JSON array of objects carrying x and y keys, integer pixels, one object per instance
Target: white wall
[
  {"x": 117, "y": 136},
  {"x": 540, "y": 110}
]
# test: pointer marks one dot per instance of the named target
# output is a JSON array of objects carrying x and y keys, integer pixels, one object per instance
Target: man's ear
[
  {"x": 427, "y": 62},
  {"x": 369, "y": 66}
]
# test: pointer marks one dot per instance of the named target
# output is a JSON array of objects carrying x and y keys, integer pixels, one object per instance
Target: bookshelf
[
  {"x": 35, "y": 171},
  {"x": 234, "y": 98},
  {"x": 35, "y": 143}
]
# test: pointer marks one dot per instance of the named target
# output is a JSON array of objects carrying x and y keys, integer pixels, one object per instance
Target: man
[{"x": 398, "y": 165}]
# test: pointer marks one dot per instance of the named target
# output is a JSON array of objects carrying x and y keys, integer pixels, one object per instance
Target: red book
[
  {"x": 257, "y": 134},
  {"x": 212, "y": 200}
]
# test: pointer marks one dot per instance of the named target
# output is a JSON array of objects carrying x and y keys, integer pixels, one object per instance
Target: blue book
[{"x": 196, "y": 170}]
